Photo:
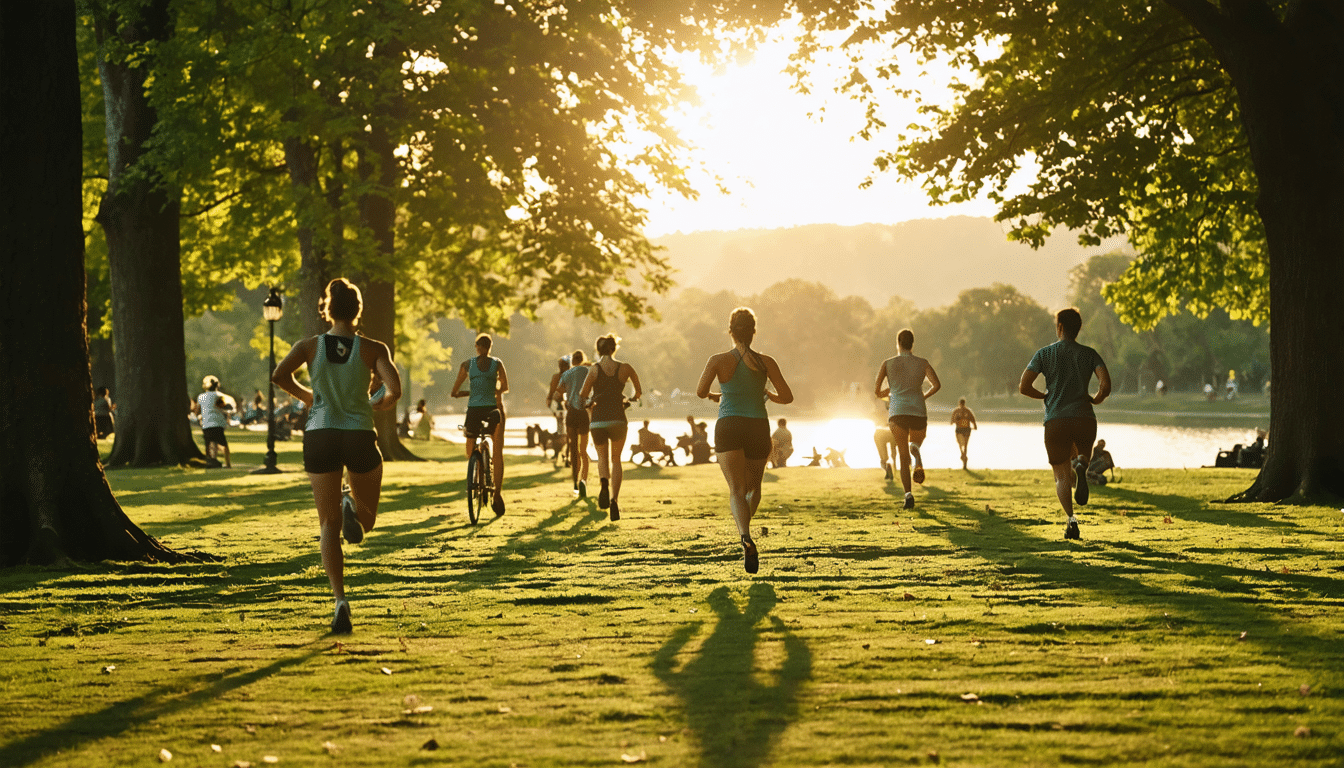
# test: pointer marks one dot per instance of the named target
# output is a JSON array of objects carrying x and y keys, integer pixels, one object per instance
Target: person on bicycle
[
  {"x": 576, "y": 421},
  {"x": 340, "y": 435},
  {"x": 485, "y": 408},
  {"x": 605, "y": 384},
  {"x": 742, "y": 432}
]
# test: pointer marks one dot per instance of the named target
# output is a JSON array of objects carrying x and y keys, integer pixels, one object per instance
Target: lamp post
[{"x": 272, "y": 309}]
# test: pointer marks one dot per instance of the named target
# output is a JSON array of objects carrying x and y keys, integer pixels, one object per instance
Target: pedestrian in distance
[
  {"x": 1070, "y": 422},
  {"x": 339, "y": 439},
  {"x": 489, "y": 382},
  {"x": 907, "y": 414},
  {"x": 605, "y": 388},
  {"x": 576, "y": 421},
  {"x": 742, "y": 432},
  {"x": 213, "y": 406},
  {"x": 964, "y": 420}
]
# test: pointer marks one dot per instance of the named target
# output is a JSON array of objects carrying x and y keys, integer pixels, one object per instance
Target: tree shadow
[
  {"x": 127, "y": 715},
  {"x": 1194, "y": 510},
  {"x": 735, "y": 716}
]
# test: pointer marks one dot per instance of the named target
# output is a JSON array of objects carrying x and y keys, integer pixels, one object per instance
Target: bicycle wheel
[
  {"x": 475, "y": 481},
  {"x": 485, "y": 488}
]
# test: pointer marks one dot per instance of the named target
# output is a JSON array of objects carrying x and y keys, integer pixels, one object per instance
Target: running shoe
[
  {"x": 751, "y": 560},
  {"x": 1081, "y": 493},
  {"x": 583, "y": 490},
  {"x": 887, "y": 467},
  {"x": 909, "y": 501},
  {"x": 604, "y": 497},
  {"x": 498, "y": 505},
  {"x": 615, "y": 511},
  {"x": 341, "y": 624},
  {"x": 350, "y": 527},
  {"x": 1071, "y": 530},
  {"x": 918, "y": 475}
]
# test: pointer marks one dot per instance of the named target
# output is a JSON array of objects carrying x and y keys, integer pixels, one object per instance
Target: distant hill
[{"x": 926, "y": 261}]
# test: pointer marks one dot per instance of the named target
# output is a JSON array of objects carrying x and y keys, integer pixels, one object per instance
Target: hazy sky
[{"x": 783, "y": 168}]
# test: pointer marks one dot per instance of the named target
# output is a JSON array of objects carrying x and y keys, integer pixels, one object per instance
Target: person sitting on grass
[{"x": 1101, "y": 461}]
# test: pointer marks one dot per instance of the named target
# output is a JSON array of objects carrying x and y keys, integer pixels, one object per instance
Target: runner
[
  {"x": 742, "y": 433},
  {"x": 1070, "y": 422},
  {"x": 965, "y": 421},
  {"x": 553, "y": 395},
  {"x": 485, "y": 407},
  {"x": 906, "y": 413},
  {"x": 213, "y": 407},
  {"x": 576, "y": 422},
  {"x": 606, "y": 384},
  {"x": 340, "y": 435}
]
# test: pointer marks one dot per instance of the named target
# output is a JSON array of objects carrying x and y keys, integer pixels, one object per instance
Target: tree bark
[
  {"x": 55, "y": 503},
  {"x": 140, "y": 218},
  {"x": 1290, "y": 82}
]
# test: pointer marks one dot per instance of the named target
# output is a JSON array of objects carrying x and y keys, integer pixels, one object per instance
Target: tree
[
  {"x": 1208, "y": 132},
  {"x": 57, "y": 503}
]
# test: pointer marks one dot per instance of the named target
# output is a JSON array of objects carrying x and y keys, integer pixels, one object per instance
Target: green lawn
[{"x": 966, "y": 632}]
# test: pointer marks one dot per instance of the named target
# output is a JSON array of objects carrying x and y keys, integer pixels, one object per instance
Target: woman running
[
  {"x": 340, "y": 435},
  {"x": 907, "y": 415},
  {"x": 606, "y": 384},
  {"x": 485, "y": 408},
  {"x": 742, "y": 433}
]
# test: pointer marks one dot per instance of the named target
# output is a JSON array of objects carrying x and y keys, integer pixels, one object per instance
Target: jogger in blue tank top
[
  {"x": 742, "y": 432},
  {"x": 340, "y": 434}
]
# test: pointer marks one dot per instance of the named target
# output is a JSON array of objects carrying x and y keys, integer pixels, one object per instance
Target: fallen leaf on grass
[
  {"x": 934, "y": 756},
  {"x": 661, "y": 738},
  {"x": 1167, "y": 519},
  {"x": 1304, "y": 689},
  {"x": 969, "y": 697},
  {"x": 1286, "y": 569},
  {"x": 640, "y": 758},
  {"x": 272, "y": 759},
  {"x": 499, "y": 615},
  {"x": 865, "y": 646},
  {"x": 430, "y": 745},
  {"x": 404, "y": 647},
  {"x": 109, "y": 669},
  {"x": 420, "y": 710},
  {"x": 930, "y": 641},
  {"x": 908, "y": 596},
  {"x": 1302, "y": 732},
  {"x": 250, "y": 728},
  {"x": 241, "y": 764},
  {"x": 216, "y": 748},
  {"x": 1243, "y": 636},
  {"x": 330, "y": 747},
  {"x": 504, "y": 710},
  {"x": 385, "y": 671},
  {"x": 165, "y": 755}
]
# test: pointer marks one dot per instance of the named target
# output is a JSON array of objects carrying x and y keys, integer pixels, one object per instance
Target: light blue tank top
[
  {"x": 905, "y": 376},
  {"x": 340, "y": 382},
  {"x": 483, "y": 383},
  {"x": 744, "y": 394},
  {"x": 573, "y": 383}
]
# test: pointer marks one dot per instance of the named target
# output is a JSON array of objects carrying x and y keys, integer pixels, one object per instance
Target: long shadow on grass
[
  {"x": 736, "y": 718},
  {"x": 998, "y": 540},
  {"x": 127, "y": 715}
]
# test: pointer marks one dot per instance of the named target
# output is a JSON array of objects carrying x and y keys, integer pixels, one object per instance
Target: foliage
[{"x": 1121, "y": 111}]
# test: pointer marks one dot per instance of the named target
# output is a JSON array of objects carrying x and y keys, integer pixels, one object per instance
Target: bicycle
[{"x": 480, "y": 488}]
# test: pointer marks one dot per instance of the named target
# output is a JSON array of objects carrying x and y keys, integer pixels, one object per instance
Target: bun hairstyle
[
  {"x": 742, "y": 325},
  {"x": 341, "y": 301},
  {"x": 606, "y": 345},
  {"x": 577, "y": 357},
  {"x": 210, "y": 382},
  {"x": 484, "y": 342}
]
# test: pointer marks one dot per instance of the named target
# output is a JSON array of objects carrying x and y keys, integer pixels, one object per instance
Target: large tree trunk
[
  {"x": 1290, "y": 82},
  {"x": 315, "y": 258},
  {"x": 378, "y": 213},
  {"x": 140, "y": 218},
  {"x": 54, "y": 500}
]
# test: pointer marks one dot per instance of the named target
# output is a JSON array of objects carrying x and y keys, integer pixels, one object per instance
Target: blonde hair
[{"x": 606, "y": 345}]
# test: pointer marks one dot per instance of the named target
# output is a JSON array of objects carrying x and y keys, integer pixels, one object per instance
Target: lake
[{"x": 995, "y": 445}]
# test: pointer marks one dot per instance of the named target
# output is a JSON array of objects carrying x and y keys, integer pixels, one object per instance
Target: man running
[
  {"x": 576, "y": 421},
  {"x": 1070, "y": 422},
  {"x": 965, "y": 421},
  {"x": 553, "y": 395},
  {"x": 908, "y": 416}
]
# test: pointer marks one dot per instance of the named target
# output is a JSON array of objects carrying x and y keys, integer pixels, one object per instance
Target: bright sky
[{"x": 783, "y": 168}]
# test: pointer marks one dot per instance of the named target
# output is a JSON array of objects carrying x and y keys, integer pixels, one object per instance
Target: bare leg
[
  {"x": 1064, "y": 486},
  {"x": 603, "y": 460},
  {"x": 616, "y": 447},
  {"x": 916, "y": 441},
  {"x": 327, "y": 498},
  {"x": 734, "y": 466},
  {"x": 902, "y": 438},
  {"x": 582, "y": 458},
  {"x": 498, "y": 458},
  {"x": 228, "y": 458},
  {"x": 572, "y": 440},
  {"x": 365, "y": 489}
]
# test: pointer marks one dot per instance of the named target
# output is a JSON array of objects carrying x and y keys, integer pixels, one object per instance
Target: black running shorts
[
  {"x": 329, "y": 450},
  {"x": 740, "y": 433},
  {"x": 910, "y": 423},
  {"x": 576, "y": 420},
  {"x": 1064, "y": 434},
  {"x": 615, "y": 432},
  {"x": 215, "y": 435}
]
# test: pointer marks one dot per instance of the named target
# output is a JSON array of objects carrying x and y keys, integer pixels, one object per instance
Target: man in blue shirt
[{"x": 1070, "y": 422}]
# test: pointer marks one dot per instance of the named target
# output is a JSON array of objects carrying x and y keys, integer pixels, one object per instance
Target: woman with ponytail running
[
  {"x": 742, "y": 432},
  {"x": 606, "y": 384},
  {"x": 340, "y": 435}
]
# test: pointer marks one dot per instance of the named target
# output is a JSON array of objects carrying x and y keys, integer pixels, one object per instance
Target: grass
[{"x": 966, "y": 632}]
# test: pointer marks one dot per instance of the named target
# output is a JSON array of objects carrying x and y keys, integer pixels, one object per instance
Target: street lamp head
[{"x": 273, "y": 308}]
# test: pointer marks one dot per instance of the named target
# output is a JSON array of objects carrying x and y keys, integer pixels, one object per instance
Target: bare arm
[
  {"x": 461, "y": 377},
  {"x": 550, "y": 394},
  {"x": 782, "y": 394},
  {"x": 387, "y": 372},
  {"x": 1027, "y": 385},
  {"x": 971, "y": 413},
  {"x": 588, "y": 382},
  {"x": 634, "y": 379},
  {"x": 300, "y": 354},
  {"x": 1104, "y": 384},
  {"x": 710, "y": 373},
  {"x": 877, "y": 387},
  {"x": 932, "y": 376},
  {"x": 502, "y": 388}
]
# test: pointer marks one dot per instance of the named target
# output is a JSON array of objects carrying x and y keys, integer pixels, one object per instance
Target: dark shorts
[
  {"x": 615, "y": 432},
  {"x": 215, "y": 435},
  {"x": 481, "y": 420},
  {"x": 739, "y": 433},
  {"x": 576, "y": 420},
  {"x": 103, "y": 424},
  {"x": 329, "y": 450},
  {"x": 910, "y": 423},
  {"x": 1062, "y": 435},
  {"x": 964, "y": 431}
]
